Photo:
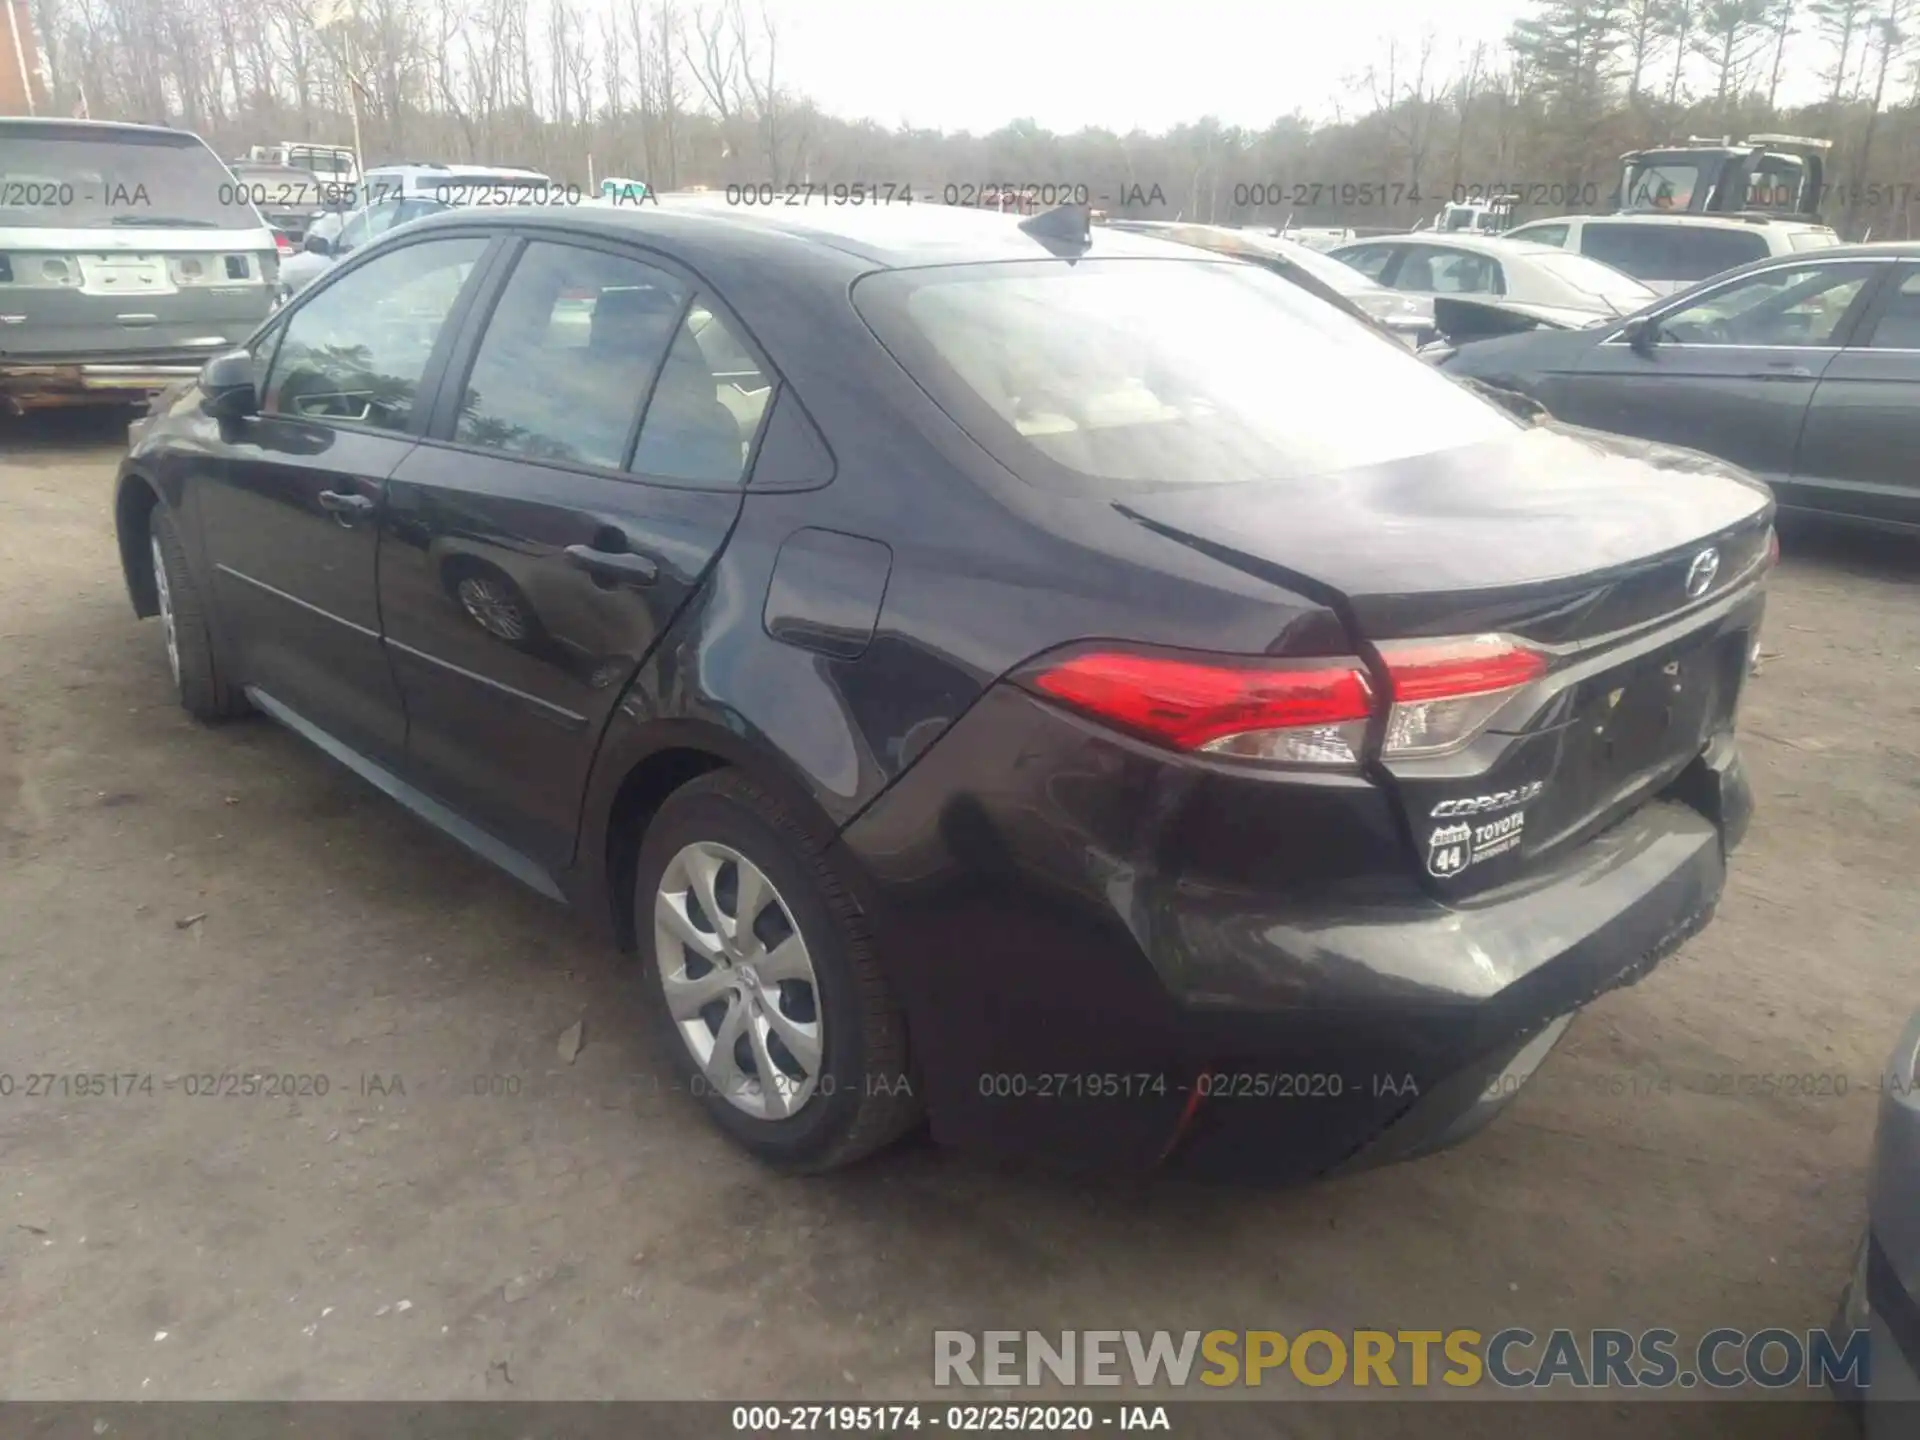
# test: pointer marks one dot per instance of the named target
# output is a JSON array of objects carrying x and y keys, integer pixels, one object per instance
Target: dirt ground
[{"x": 177, "y": 900}]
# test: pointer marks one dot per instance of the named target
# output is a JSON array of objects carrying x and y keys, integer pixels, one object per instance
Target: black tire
[
  {"x": 864, "y": 1099},
  {"x": 204, "y": 693}
]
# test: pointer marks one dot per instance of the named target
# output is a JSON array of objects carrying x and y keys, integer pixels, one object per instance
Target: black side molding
[{"x": 527, "y": 871}]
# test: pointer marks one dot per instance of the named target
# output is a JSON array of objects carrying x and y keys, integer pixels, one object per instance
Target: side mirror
[
  {"x": 227, "y": 388},
  {"x": 1642, "y": 335},
  {"x": 318, "y": 245}
]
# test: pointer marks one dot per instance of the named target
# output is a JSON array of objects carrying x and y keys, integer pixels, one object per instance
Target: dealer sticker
[{"x": 1453, "y": 848}]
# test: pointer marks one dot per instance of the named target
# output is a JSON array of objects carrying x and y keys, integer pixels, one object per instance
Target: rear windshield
[
  {"x": 320, "y": 162},
  {"x": 1594, "y": 278},
  {"x": 1108, "y": 376},
  {"x": 1330, "y": 272},
  {"x": 1670, "y": 251},
  {"x": 81, "y": 178}
]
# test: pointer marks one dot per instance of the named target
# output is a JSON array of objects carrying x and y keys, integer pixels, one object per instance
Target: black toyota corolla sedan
[{"x": 1083, "y": 690}]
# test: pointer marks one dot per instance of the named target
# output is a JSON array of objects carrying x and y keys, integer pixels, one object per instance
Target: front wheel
[
  {"x": 776, "y": 1011},
  {"x": 203, "y": 693}
]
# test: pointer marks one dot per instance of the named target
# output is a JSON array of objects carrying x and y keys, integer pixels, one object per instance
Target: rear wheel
[
  {"x": 203, "y": 693},
  {"x": 776, "y": 1010}
]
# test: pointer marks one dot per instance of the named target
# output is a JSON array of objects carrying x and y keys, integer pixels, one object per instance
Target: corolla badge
[
  {"x": 1486, "y": 804},
  {"x": 1700, "y": 573}
]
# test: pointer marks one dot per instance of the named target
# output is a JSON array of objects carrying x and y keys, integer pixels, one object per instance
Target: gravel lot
[{"x": 177, "y": 900}]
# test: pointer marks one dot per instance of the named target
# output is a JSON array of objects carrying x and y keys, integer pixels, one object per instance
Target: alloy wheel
[
  {"x": 167, "y": 625},
  {"x": 739, "y": 981}
]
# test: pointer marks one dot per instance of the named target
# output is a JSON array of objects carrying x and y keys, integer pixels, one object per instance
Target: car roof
[
  {"x": 1497, "y": 246},
  {"x": 101, "y": 129},
  {"x": 895, "y": 236},
  {"x": 1714, "y": 222},
  {"x": 1229, "y": 241},
  {"x": 457, "y": 171}
]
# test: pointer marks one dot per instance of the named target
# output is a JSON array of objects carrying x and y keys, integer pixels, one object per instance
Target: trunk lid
[
  {"x": 1556, "y": 533},
  {"x": 1589, "y": 548}
]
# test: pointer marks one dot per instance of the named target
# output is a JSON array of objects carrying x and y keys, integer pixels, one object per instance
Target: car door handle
[
  {"x": 617, "y": 565},
  {"x": 345, "y": 508},
  {"x": 1785, "y": 370}
]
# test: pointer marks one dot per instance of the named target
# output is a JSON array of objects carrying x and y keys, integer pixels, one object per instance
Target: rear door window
[
  {"x": 706, "y": 410},
  {"x": 569, "y": 355},
  {"x": 1670, "y": 252},
  {"x": 1898, "y": 327},
  {"x": 1370, "y": 260},
  {"x": 1437, "y": 270}
]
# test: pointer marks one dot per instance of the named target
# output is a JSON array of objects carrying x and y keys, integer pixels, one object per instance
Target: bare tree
[
  {"x": 762, "y": 88},
  {"x": 1677, "y": 21},
  {"x": 1888, "y": 39},
  {"x": 1730, "y": 32},
  {"x": 1838, "y": 22},
  {"x": 1781, "y": 15},
  {"x": 1401, "y": 99}
]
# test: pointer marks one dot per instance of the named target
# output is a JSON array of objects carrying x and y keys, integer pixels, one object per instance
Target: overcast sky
[{"x": 976, "y": 64}]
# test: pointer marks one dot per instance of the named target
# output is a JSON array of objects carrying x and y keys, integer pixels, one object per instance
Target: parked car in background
[
  {"x": 1805, "y": 369},
  {"x": 995, "y": 648},
  {"x": 619, "y": 190},
  {"x": 288, "y": 199},
  {"x": 1491, "y": 216},
  {"x": 459, "y": 184},
  {"x": 328, "y": 242},
  {"x": 1408, "y": 318},
  {"x": 1667, "y": 253},
  {"x": 394, "y": 194},
  {"x": 127, "y": 255},
  {"x": 332, "y": 165},
  {"x": 1883, "y": 1295},
  {"x": 1558, "y": 287}
]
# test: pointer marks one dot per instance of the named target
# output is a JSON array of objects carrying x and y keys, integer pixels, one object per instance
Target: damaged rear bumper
[{"x": 34, "y": 385}]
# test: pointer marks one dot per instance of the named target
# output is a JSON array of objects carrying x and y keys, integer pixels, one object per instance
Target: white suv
[{"x": 1667, "y": 253}]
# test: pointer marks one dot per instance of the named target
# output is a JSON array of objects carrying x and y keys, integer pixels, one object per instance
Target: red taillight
[
  {"x": 282, "y": 243},
  {"x": 1297, "y": 711},
  {"x": 1445, "y": 691},
  {"x": 1447, "y": 669},
  {"x": 1773, "y": 547}
]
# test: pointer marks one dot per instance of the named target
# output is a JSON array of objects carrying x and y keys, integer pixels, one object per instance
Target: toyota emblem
[{"x": 1700, "y": 573}]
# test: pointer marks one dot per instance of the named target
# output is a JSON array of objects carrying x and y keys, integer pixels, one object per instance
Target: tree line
[{"x": 685, "y": 92}]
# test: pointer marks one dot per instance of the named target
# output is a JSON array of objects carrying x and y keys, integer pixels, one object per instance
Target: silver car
[
  {"x": 331, "y": 237},
  {"x": 1880, "y": 1298},
  {"x": 128, "y": 255},
  {"x": 1409, "y": 317},
  {"x": 1552, "y": 285}
]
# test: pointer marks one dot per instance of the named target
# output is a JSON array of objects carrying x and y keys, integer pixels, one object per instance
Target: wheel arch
[
  {"x": 652, "y": 760},
  {"x": 637, "y": 799},
  {"x": 134, "y": 502}
]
